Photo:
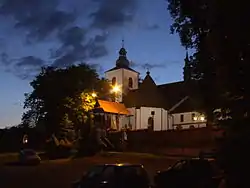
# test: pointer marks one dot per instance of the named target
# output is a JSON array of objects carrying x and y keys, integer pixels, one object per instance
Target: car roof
[
  {"x": 122, "y": 165},
  {"x": 204, "y": 159},
  {"x": 28, "y": 150}
]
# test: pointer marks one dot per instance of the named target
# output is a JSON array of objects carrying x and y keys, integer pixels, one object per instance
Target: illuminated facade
[{"x": 151, "y": 106}]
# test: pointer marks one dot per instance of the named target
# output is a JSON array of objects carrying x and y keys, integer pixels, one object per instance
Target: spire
[
  {"x": 123, "y": 43},
  {"x": 148, "y": 73},
  {"x": 186, "y": 58},
  {"x": 122, "y": 61},
  {"x": 187, "y": 68},
  {"x": 122, "y": 51}
]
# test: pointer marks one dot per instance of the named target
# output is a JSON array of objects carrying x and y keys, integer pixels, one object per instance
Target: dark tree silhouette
[
  {"x": 218, "y": 31},
  {"x": 57, "y": 102}
]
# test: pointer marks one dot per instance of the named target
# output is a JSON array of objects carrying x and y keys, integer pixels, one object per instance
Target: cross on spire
[{"x": 122, "y": 42}]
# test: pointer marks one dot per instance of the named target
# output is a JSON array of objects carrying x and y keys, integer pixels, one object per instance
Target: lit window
[
  {"x": 202, "y": 118},
  {"x": 130, "y": 82},
  {"x": 114, "y": 81},
  {"x": 182, "y": 118},
  {"x": 193, "y": 116}
]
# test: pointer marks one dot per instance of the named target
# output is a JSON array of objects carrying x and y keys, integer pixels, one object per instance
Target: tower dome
[{"x": 122, "y": 61}]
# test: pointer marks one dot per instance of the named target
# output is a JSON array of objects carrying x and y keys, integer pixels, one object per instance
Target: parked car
[
  {"x": 114, "y": 176},
  {"x": 208, "y": 154},
  {"x": 190, "y": 173},
  {"x": 29, "y": 156}
]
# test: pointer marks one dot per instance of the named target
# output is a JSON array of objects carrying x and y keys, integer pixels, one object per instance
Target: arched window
[
  {"x": 113, "y": 81},
  {"x": 130, "y": 82}
]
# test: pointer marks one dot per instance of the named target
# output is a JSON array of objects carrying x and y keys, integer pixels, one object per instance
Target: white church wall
[
  {"x": 165, "y": 120},
  {"x": 186, "y": 120},
  {"x": 138, "y": 119},
  {"x": 122, "y": 80},
  {"x": 132, "y": 118},
  {"x": 130, "y": 74},
  {"x": 117, "y": 74},
  {"x": 146, "y": 113}
]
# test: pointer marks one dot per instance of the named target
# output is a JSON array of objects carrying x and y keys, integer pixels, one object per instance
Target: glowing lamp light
[
  {"x": 195, "y": 118},
  {"x": 116, "y": 89},
  {"x": 25, "y": 141},
  {"x": 202, "y": 118},
  {"x": 94, "y": 94}
]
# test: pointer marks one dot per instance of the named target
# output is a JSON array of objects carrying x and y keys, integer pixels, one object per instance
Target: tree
[
  {"x": 57, "y": 97},
  {"x": 219, "y": 33}
]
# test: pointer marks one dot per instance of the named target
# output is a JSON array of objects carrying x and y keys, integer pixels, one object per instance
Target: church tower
[
  {"x": 187, "y": 69},
  {"x": 122, "y": 76}
]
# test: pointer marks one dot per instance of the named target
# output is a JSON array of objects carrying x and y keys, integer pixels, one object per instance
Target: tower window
[
  {"x": 130, "y": 82},
  {"x": 181, "y": 117},
  {"x": 114, "y": 81}
]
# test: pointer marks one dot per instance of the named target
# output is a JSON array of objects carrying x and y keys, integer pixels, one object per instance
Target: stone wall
[{"x": 147, "y": 141}]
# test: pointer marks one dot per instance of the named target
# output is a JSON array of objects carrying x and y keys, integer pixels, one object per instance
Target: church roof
[
  {"x": 147, "y": 95},
  {"x": 162, "y": 96},
  {"x": 110, "y": 107},
  {"x": 173, "y": 93},
  {"x": 186, "y": 106},
  {"x": 116, "y": 68}
]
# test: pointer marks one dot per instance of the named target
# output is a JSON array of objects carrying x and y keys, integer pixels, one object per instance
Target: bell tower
[{"x": 122, "y": 77}]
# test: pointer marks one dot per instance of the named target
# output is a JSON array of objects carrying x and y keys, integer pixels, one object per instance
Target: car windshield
[
  {"x": 179, "y": 165},
  {"x": 118, "y": 172},
  {"x": 130, "y": 171},
  {"x": 94, "y": 171}
]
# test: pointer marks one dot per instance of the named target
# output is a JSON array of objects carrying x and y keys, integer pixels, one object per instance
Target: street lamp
[
  {"x": 94, "y": 95},
  {"x": 116, "y": 89}
]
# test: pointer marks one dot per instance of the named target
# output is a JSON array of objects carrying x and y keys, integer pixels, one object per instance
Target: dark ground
[{"x": 60, "y": 173}]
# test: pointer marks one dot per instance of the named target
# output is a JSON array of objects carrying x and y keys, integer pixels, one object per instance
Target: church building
[{"x": 151, "y": 106}]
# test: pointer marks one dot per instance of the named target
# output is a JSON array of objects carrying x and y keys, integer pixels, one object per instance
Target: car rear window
[
  {"x": 94, "y": 171},
  {"x": 129, "y": 171}
]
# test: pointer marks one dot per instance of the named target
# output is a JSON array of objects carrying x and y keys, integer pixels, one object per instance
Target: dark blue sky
[{"x": 66, "y": 32}]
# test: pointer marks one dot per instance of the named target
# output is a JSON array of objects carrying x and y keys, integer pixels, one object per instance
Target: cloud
[
  {"x": 152, "y": 27},
  {"x": 28, "y": 67},
  {"x": 97, "y": 67},
  {"x": 30, "y": 61},
  {"x": 2, "y": 44},
  {"x": 101, "y": 38},
  {"x": 152, "y": 65},
  {"x": 39, "y": 18},
  {"x": 77, "y": 48},
  {"x": 5, "y": 59},
  {"x": 148, "y": 66},
  {"x": 113, "y": 13},
  {"x": 24, "y": 68}
]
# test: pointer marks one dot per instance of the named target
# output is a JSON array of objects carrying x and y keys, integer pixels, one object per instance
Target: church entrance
[{"x": 151, "y": 123}]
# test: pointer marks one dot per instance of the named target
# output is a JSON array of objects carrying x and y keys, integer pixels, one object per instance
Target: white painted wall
[
  {"x": 132, "y": 118},
  {"x": 162, "y": 120},
  {"x": 122, "y": 76},
  {"x": 187, "y": 120},
  {"x": 141, "y": 118},
  {"x": 130, "y": 74}
]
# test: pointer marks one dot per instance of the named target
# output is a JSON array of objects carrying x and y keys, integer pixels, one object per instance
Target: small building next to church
[{"x": 151, "y": 106}]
